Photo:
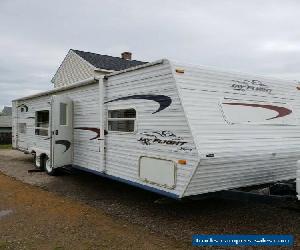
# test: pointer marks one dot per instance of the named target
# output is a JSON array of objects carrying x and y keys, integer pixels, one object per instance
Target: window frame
[
  {"x": 122, "y": 119},
  {"x": 66, "y": 114},
  {"x": 42, "y": 128}
]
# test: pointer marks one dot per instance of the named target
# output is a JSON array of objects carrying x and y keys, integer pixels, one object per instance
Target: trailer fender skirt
[
  {"x": 298, "y": 180},
  {"x": 135, "y": 184}
]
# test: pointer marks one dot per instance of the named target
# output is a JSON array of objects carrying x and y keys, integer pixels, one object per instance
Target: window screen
[
  {"x": 42, "y": 122},
  {"x": 121, "y": 120},
  {"x": 22, "y": 128},
  {"x": 63, "y": 114}
]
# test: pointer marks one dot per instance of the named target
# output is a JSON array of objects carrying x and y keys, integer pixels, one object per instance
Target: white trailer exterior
[{"x": 173, "y": 129}]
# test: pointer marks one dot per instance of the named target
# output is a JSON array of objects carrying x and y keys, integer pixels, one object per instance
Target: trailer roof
[
  {"x": 88, "y": 81},
  {"x": 52, "y": 91},
  {"x": 136, "y": 68},
  {"x": 161, "y": 61}
]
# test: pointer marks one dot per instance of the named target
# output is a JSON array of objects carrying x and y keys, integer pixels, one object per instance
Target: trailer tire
[{"x": 47, "y": 166}]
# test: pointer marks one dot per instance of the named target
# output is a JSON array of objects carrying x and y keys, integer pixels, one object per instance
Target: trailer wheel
[{"x": 47, "y": 166}]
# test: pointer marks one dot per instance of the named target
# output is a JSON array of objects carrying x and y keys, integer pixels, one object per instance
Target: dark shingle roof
[{"x": 107, "y": 62}]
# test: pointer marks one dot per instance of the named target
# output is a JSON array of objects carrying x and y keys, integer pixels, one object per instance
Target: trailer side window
[
  {"x": 122, "y": 120},
  {"x": 42, "y": 122},
  {"x": 22, "y": 128}
]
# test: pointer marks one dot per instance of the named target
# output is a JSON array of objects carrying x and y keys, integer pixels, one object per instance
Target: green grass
[
  {"x": 5, "y": 146},
  {"x": 3, "y": 245}
]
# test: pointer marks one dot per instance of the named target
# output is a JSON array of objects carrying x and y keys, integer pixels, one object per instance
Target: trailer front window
[
  {"x": 42, "y": 122},
  {"x": 122, "y": 120}
]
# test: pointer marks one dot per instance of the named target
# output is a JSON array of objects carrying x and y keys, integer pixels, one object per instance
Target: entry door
[{"x": 62, "y": 131}]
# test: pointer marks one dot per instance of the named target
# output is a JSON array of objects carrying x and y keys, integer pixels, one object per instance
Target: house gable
[
  {"x": 73, "y": 69},
  {"x": 80, "y": 65}
]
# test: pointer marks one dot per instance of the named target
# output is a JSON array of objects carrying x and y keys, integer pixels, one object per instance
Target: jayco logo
[{"x": 250, "y": 85}]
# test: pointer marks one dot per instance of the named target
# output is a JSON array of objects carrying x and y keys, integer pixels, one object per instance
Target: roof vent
[{"x": 126, "y": 55}]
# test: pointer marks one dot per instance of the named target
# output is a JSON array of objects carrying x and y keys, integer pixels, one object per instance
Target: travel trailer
[{"x": 174, "y": 129}]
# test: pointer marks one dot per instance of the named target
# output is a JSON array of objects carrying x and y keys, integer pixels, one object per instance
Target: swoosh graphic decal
[
  {"x": 24, "y": 106},
  {"x": 96, "y": 130},
  {"x": 66, "y": 143},
  {"x": 282, "y": 111},
  {"x": 163, "y": 100}
]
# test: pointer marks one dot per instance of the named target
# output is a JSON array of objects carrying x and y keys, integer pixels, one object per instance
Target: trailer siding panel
[
  {"x": 86, "y": 114},
  {"x": 124, "y": 150},
  {"x": 243, "y": 154}
]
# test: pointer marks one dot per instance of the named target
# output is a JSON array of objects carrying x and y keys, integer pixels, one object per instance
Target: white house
[{"x": 80, "y": 65}]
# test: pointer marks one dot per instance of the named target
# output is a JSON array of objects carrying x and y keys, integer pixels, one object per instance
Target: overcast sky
[{"x": 253, "y": 36}]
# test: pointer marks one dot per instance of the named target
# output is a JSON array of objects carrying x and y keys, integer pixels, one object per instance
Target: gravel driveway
[
  {"x": 32, "y": 218},
  {"x": 177, "y": 220}
]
